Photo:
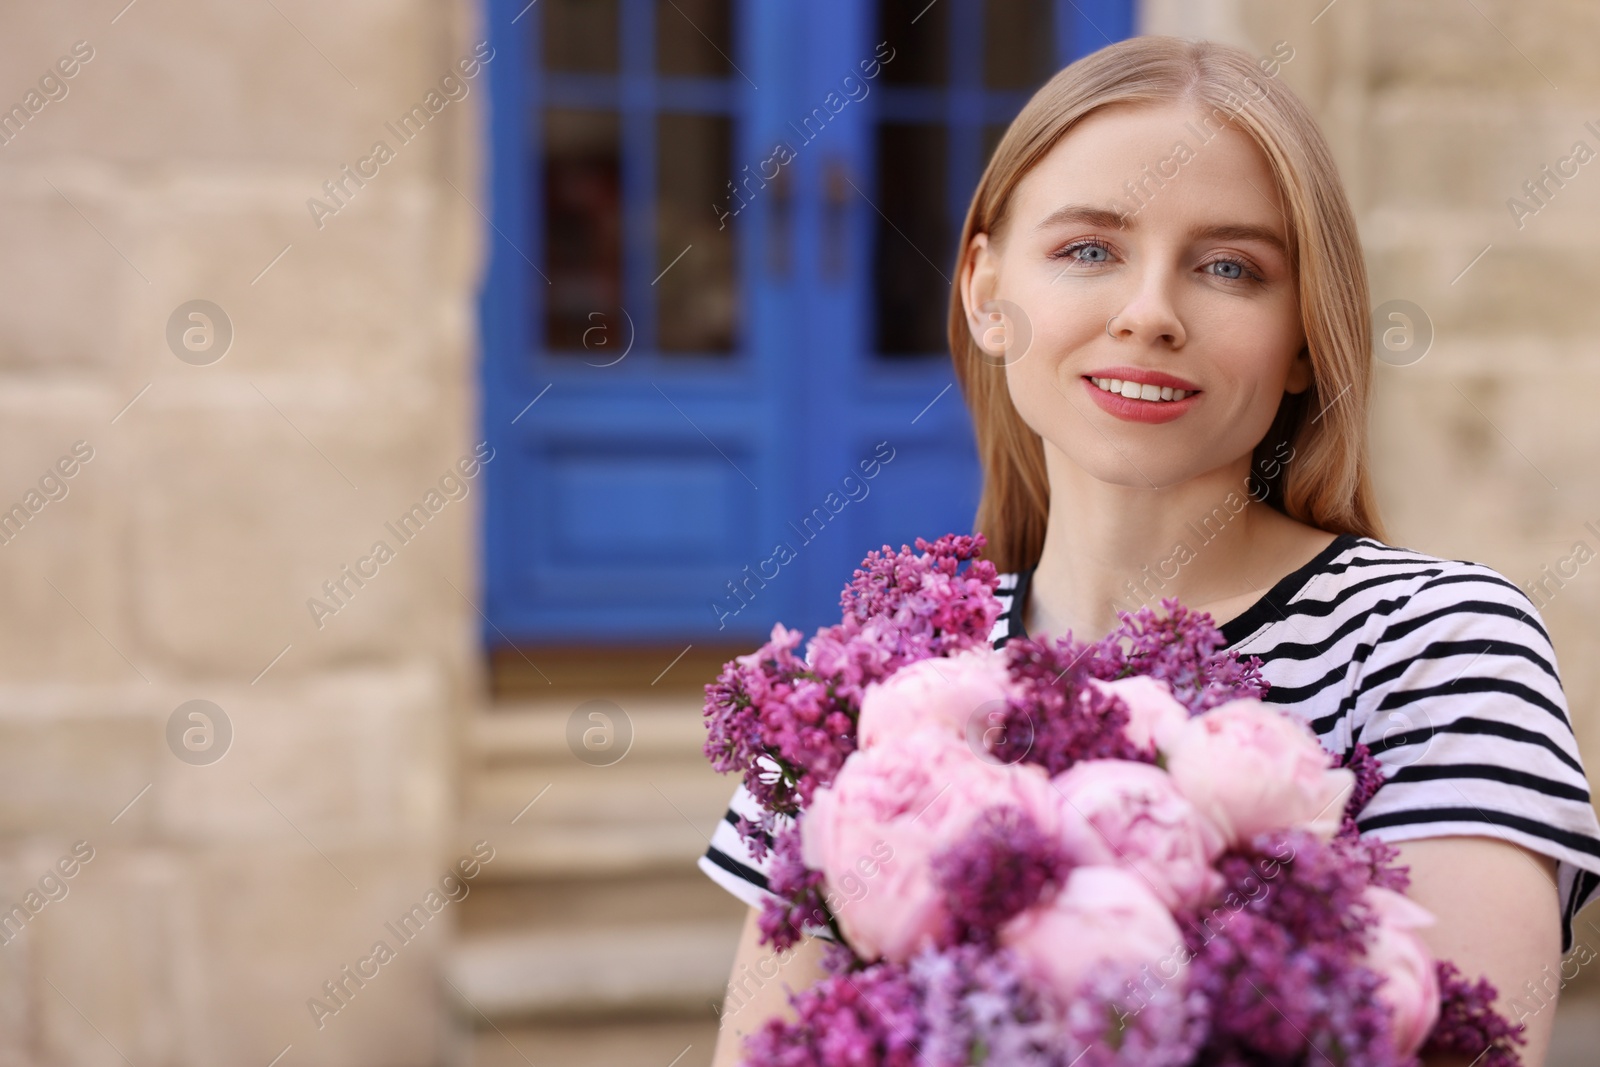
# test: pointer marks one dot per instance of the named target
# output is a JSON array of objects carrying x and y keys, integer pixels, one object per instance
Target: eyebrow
[{"x": 1110, "y": 219}]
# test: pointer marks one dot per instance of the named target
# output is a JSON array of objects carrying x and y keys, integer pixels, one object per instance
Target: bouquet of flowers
[{"x": 1065, "y": 853}]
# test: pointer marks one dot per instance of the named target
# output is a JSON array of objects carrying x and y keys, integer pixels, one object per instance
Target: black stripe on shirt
[
  {"x": 1492, "y": 771},
  {"x": 742, "y": 871},
  {"x": 1576, "y": 842},
  {"x": 1399, "y": 698},
  {"x": 1469, "y": 724}
]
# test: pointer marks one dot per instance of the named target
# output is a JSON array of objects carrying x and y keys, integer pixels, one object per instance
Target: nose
[{"x": 1149, "y": 316}]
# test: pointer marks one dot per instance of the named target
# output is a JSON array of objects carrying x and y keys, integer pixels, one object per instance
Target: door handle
[{"x": 836, "y": 189}]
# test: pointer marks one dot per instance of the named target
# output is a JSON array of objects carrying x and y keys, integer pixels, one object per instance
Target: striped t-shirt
[{"x": 1441, "y": 667}]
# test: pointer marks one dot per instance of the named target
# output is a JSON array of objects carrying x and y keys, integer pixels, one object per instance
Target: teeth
[{"x": 1136, "y": 391}]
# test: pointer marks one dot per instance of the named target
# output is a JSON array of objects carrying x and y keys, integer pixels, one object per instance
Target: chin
[{"x": 1130, "y": 468}]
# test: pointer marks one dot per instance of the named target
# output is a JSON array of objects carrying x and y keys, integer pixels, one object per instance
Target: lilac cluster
[
  {"x": 1468, "y": 1024},
  {"x": 1284, "y": 974},
  {"x": 873, "y": 1017},
  {"x": 788, "y": 724},
  {"x": 798, "y": 895},
  {"x": 967, "y": 1005},
  {"x": 936, "y": 610},
  {"x": 1002, "y": 865},
  {"x": 979, "y": 1010},
  {"x": 1061, "y": 719},
  {"x": 1276, "y": 1002},
  {"x": 1180, "y": 648},
  {"x": 1377, "y": 856}
]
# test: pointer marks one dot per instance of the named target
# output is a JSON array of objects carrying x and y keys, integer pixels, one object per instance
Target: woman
[{"x": 1160, "y": 326}]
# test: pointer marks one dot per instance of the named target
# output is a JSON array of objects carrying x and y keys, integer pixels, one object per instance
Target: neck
[{"x": 1111, "y": 548}]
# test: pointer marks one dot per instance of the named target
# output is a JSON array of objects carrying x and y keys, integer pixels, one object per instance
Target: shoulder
[
  {"x": 1407, "y": 571},
  {"x": 1404, "y": 596},
  {"x": 1430, "y": 601}
]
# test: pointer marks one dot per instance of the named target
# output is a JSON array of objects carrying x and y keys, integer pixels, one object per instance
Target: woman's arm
[
  {"x": 759, "y": 985},
  {"x": 1498, "y": 912}
]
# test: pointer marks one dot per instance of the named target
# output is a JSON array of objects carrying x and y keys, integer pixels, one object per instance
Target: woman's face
[{"x": 1197, "y": 277}]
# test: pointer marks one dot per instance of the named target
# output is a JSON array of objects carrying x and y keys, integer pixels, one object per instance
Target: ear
[
  {"x": 1299, "y": 372},
  {"x": 979, "y": 280}
]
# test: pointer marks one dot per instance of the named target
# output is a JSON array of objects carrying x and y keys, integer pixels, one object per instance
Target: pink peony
[
  {"x": 941, "y": 694},
  {"x": 1410, "y": 980},
  {"x": 1102, "y": 914},
  {"x": 1123, "y": 813},
  {"x": 874, "y": 831},
  {"x": 1250, "y": 768},
  {"x": 1154, "y": 715}
]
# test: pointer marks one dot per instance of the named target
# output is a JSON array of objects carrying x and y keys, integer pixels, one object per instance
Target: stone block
[
  {"x": 108, "y": 957},
  {"x": 276, "y": 924},
  {"x": 71, "y": 762},
  {"x": 292, "y": 81},
  {"x": 1513, "y": 289},
  {"x": 356, "y": 297},
  {"x": 66, "y": 284},
  {"x": 62, "y": 581},
  {"x": 354, "y": 759},
  {"x": 1507, "y": 47},
  {"x": 261, "y": 496}
]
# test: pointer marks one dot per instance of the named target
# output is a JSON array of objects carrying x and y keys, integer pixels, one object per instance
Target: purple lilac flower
[
  {"x": 787, "y": 724},
  {"x": 1310, "y": 888},
  {"x": 1369, "y": 778},
  {"x": 1062, "y": 719},
  {"x": 924, "y": 595},
  {"x": 1145, "y": 1020},
  {"x": 799, "y": 891},
  {"x": 980, "y": 1009},
  {"x": 1181, "y": 648},
  {"x": 1468, "y": 1023},
  {"x": 871, "y": 1017},
  {"x": 1001, "y": 865},
  {"x": 1276, "y": 1001},
  {"x": 1281, "y": 960}
]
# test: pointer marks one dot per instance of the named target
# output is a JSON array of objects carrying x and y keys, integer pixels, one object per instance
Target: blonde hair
[{"x": 1327, "y": 484}]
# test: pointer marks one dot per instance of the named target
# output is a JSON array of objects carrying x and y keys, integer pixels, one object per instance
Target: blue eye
[
  {"x": 1068, "y": 251},
  {"x": 1245, "y": 273}
]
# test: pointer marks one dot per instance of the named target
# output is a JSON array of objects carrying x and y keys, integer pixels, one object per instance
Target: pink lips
[
  {"x": 1150, "y": 411},
  {"x": 1144, "y": 377}
]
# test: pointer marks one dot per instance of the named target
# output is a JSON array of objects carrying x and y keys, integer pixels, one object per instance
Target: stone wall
[{"x": 210, "y": 498}]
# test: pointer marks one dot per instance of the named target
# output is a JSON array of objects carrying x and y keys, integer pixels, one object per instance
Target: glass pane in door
[
  {"x": 694, "y": 38},
  {"x": 1017, "y": 36},
  {"x": 911, "y": 239},
  {"x": 582, "y": 214},
  {"x": 580, "y": 36},
  {"x": 695, "y": 293},
  {"x": 919, "y": 33}
]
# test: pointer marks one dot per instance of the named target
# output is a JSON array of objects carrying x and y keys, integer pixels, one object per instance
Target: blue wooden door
[{"x": 714, "y": 365}]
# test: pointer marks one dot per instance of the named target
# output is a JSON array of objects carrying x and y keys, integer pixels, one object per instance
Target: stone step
[
  {"x": 664, "y": 968},
  {"x": 628, "y": 793},
  {"x": 625, "y": 850},
  {"x": 625, "y": 1042},
  {"x": 545, "y": 731}
]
